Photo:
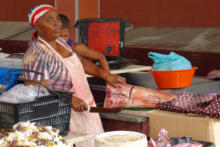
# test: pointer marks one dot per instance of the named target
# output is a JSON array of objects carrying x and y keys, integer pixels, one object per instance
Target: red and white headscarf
[{"x": 38, "y": 11}]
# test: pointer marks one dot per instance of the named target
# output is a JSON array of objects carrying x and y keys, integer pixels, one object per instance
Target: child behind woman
[{"x": 80, "y": 48}]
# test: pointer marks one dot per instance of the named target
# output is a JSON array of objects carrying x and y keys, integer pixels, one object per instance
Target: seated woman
[{"x": 64, "y": 70}]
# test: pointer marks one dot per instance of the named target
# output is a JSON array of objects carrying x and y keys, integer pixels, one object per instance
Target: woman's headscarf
[{"x": 37, "y": 12}]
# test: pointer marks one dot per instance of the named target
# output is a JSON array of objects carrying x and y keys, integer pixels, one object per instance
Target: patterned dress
[
  {"x": 65, "y": 74},
  {"x": 39, "y": 58}
]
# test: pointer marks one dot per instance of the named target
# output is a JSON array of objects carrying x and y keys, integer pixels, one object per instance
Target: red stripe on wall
[
  {"x": 167, "y": 13},
  {"x": 17, "y": 10},
  {"x": 88, "y": 9}
]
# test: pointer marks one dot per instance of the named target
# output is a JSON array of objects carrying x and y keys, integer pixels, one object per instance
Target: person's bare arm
[
  {"x": 213, "y": 74},
  {"x": 84, "y": 51},
  {"x": 92, "y": 69}
]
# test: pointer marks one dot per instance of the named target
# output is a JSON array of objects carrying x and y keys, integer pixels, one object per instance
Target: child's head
[{"x": 64, "y": 33}]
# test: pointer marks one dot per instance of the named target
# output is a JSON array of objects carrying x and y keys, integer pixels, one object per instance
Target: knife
[{"x": 103, "y": 110}]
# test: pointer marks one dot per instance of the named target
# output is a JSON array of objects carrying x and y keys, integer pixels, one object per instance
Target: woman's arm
[
  {"x": 213, "y": 74},
  {"x": 84, "y": 51},
  {"x": 92, "y": 69}
]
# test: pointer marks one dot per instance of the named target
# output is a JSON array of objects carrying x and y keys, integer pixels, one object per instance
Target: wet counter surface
[{"x": 199, "y": 84}]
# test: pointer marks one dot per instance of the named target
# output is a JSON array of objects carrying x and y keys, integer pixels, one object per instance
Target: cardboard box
[{"x": 180, "y": 124}]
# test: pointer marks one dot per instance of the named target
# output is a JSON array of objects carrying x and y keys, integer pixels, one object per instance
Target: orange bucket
[{"x": 174, "y": 78}]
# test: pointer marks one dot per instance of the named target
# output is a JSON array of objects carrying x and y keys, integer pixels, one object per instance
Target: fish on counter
[{"x": 129, "y": 96}]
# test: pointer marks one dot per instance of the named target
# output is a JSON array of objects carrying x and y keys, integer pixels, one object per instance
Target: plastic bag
[
  {"x": 172, "y": 61},
  {"x": 22, "y": 94}
]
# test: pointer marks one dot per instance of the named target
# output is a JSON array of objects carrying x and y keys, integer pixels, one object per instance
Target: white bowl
[{"x": 121, "y": 139}]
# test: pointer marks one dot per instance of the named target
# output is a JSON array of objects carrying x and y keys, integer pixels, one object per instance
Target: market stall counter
[{"x": 137, "y": 119}]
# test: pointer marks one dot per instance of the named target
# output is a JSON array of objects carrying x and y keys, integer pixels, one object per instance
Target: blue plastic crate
[{"x": 11, "y": 75}]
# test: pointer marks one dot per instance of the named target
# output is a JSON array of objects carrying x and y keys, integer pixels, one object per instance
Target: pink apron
[{"x": 81, "y": 122}]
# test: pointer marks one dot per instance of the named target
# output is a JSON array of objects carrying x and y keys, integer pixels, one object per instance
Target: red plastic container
[
  {"x": 105, "y": 35},
  {"x": 174, "y": 78}
]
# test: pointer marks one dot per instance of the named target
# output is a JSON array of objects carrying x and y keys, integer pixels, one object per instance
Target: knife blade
[{"x": 103, "y": 110}]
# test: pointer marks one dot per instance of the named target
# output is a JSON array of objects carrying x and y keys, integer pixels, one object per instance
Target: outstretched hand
[
  {"x": 113, "y": 79},
  {"x": 213, "y": 74}
]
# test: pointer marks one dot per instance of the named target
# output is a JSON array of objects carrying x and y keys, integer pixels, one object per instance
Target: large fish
[{"x": 125, "y": 96}]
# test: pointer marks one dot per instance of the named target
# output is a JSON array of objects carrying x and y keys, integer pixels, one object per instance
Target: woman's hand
[
  {"x": 92, "y": 69},
  {"x": 213, "y": 74},
  {"x": 113, "y": 79},
  {"x": 78, "y": 104}
]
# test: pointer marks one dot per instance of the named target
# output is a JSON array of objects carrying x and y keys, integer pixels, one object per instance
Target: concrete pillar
[
  {"x": 78, "y": 9},
  {"x": 67, "y": 7}
]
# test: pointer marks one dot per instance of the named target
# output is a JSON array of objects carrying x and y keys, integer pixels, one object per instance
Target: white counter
[{"x": 130, "y": 68}]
